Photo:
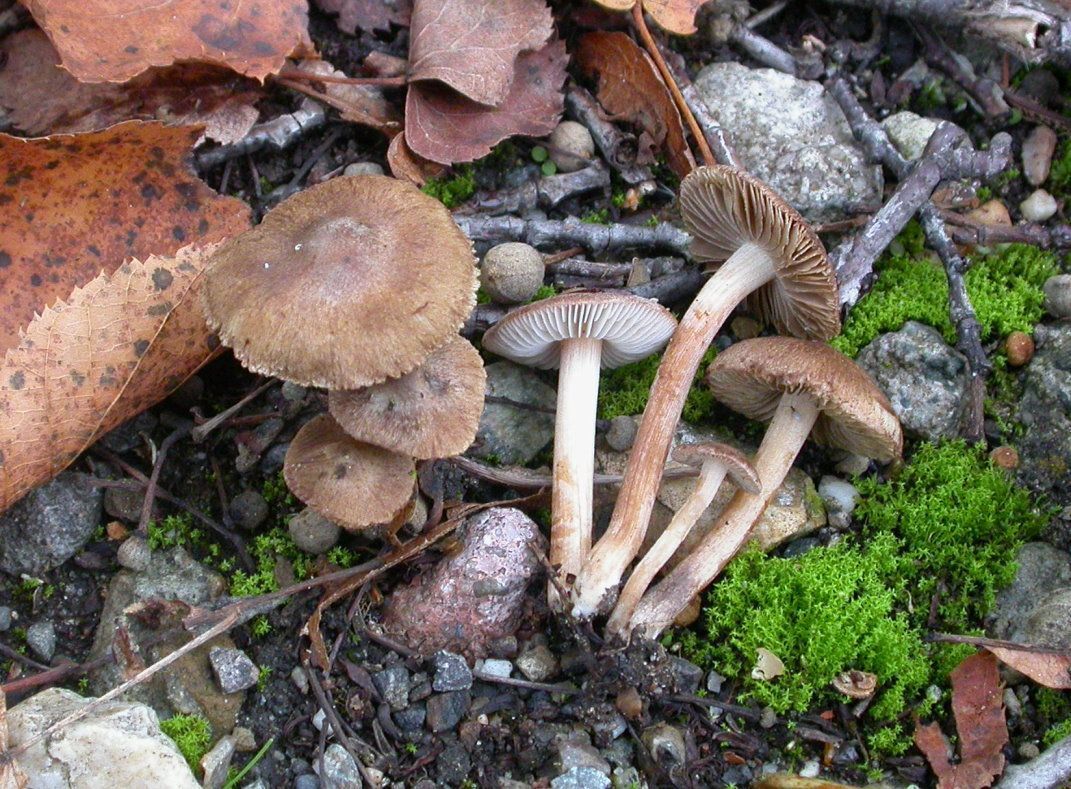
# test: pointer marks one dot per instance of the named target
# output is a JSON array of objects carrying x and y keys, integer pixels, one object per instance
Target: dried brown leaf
[
  {"x": 472, "y": 45},
  {"x": 978, "y": 707},
  {"x": 42, "y": 98},
  {"x": 361, "y": 104},
  {"x": 445, "y": 127},
  {"x": 407, "y": 166},
  {"x": 72, "y": 206},
  {"x": 674, "y": 16},
  {"x": 92, "y": 361},
  {"x": 115, "y": 40},
  {"x": 1051, "y": 669},
  {"x": 368, "y": 14},
  {"x": 631, "y": 89}
]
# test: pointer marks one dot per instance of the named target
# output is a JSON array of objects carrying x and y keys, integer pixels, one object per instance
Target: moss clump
[
  {"x": 174, "y": 531},
  {"x": 1005, "y": 289},
  {"x": 192, "y": 734},
  {"x": 959, "y": 522},
  {"x": 822, "y": 613},
  {"x": 600, "y": 217},
  {"x": 1060, "y": 172},
  {"x": 452, "y": 192},
  {"x": 265, "y": 550},
  {"x": 624, "y": 391},
  {"x": 544, "y": 292}
]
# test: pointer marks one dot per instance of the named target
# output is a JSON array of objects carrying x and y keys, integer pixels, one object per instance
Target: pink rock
[{"x": 474, "y": 596}]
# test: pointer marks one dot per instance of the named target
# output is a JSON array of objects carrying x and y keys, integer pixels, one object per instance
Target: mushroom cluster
[{"x": 358, "y": 285}]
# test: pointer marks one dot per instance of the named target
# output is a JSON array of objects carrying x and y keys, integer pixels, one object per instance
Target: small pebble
[
  {"x": 41, "y": 638},
  {"x": 629, "y": 703},
  {"x": 1043, "y": 85},
  {"x": 312, "y": 532},
  {"x": 571, "y": 147},
  {"x": 393, "y": 685},
  {"x": 249, "y": 509},
  {"x": 445, "y": 710},
  {"x": 1012, "y": 704},
  {"x": 5, "y": 618},
  {"x": 339, "y": 768},
  {"x": 124, "y": 504},
  {"x": 767, "y": 718},
  {"x": 233, "y": 669},
  {"x": 1005, "y": 457},
  {"x": 451, "y": 672},
  {"x": 1028, "y": 751},
  {"x": 307, "y": 781},
  {"x": 300, "y": 679},
  {"x": 810, "y": 769},
  {"x": 318, "y": 719},
  {"x": 714, "y": 682},
  {"x": 665, "y": 743},
  {"x": 622, "y": 433},
  {"x": 1020, "y": 348},
  {"x": 363, "y": 168},
  {"x": 217, "y": 763},
  {"x": 244, "y": 739},
  {"x": 852, "y": 465},
  {"x": 134, "y": 554},
  {"x": 538, "y": 663},
  {"x": 991, "y": 212},
  {"x": 1038, "y": 207},
  {"x": 840, "y": 498},
  {"x": 1058, "y": 295},
  {"x": 495, "y": 667},
  {"x": 580, "y": 778},
  {"x": 511, "y": 273},
  {"x": 1038, "y": 148}
]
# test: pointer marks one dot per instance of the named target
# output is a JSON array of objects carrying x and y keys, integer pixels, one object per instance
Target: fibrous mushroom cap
[
  {"x": 343, "y": 285},
  {"x": 751, "y": 377},
  {"x": 431, "y": 412},
  {"x": 630, "y": 327},
  {"x": 348, "y": 482},
  {"x": 735, "y": 462},
  {"x": 725, "y": 208}
]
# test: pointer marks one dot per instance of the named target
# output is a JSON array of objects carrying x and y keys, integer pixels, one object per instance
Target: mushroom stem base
[{"x": 791, "y": 424}]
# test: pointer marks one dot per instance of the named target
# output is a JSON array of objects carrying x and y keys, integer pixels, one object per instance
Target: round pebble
[
  {"x": 991, "y": 212},
  {"x": 1058, "y": 295},
  {"x": 512, "y": 273},
  {"x": 312, "y": 532},
  {"x": 1020, "y": 348},
  {"x": 1005, "y": 457},
  {"x": 622, "y": 433},
  {"x": 249, "y": 509},
  {"x": 1038, "y": 207},
  {"x": 363, "y": 168},
  {"x": 1028, "y": 751},
  {"x": 629, "y": 703},
  {"x": 134, "y": 553},
  {"x": 41, "y": 638},
  {"x": 1038, "y": 148},
  {"x": 5, "y": 618},
  {"x": 571, "y": 146},
  {"x": 810, "y": 769}
]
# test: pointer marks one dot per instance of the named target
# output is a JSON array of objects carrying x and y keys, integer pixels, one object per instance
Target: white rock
[
  {"x": 496, "y": 667},
  {"x": 909, "y": 133},
  {"x": 1038, "y": 207},
  {"x": 363, "y": 168},
  {"x": 810, "y": 769},
  {"x": 1038, "y": 148},
  {"x": 1058, "y": 295},
  {"x": 840, "y": 498},
  {"x": 118, "y": 745}
]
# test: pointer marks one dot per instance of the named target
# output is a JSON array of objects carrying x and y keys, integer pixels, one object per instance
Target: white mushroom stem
[
  {"x": 746, "y": 270},
  {"x": 574, "y": 456},
  {"x": 710, "y": 478},
  {"x": 788, "y": 430}
]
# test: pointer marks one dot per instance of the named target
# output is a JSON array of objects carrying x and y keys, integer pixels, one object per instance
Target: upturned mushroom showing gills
[
  {"x": 715, "y": 462},
  {"x": 578, "y": 332},
  {"x": 803, "y": 388},
  {"x": 767, "y": 254},
  {"x": 344, "y": 285},
  {"x": 431, "y": 412},
  {"x": 351, "y": 483}
]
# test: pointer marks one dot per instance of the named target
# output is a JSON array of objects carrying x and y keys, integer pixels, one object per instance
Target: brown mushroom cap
[
  {"x": 431, "y": 412},
  {"x": 343, "y": 285},
  {"x": 630, "y": 327},
  {"x": 725, "y": 208},
  {"x": 737, "y": 466},
  {"x": 349, "y": 482},
  {"x": 751, "y": 376}
]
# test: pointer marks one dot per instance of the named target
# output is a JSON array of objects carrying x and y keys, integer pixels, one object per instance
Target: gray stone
[
  {"x": 300, "y": 679},
  {"x": 626, "y": 778},
  {"x": 128, "y": 435},
  {"x": 686, "y": 675},
  {"x": 339, "y": 769},
  {"x": 495, "y": 667},
  {"x": 233, "y": 668},
  {"x": 217, "y": 762},
  {"x": 363, "y": 168},
  {"x": 5, "y": 618},
  {"x": 581, "y": 778},
  {"x": 453, "y": 765},
  {"x": 509, "y": 435},
  {"x": 445, "y": 710},
  {"x": 451, "y": 672},
  {"x": 393, "y": 685},
  {"x": 123, "y": 504},
  {"x": 446, "y": 609},
  {"x": 791, "y": 134},
  {"x": 312, "y": 532},
  {"x": 249, "y": 510},
  {"x": 840, "y": 498},
  {"x": 665, "y": 743},
  {"x": 1039, "y": 206},
  {"x": 622, "y": 433},
  {"x": 574, "y": 752},
  {"x": 909, "y": 133},
  {"x": 49, "y": 525},
  {"x": 924, "y": 379},
  {"x": 1045, "y": 411},
  {"x": 307, "y": 781},
  {"x": 411, "y": 718},
  {"x": 714, "y": 682},
  {"x": 1042, "y": 570},
  {"x": 134, "y": 553},
  {"x": 117, "y": 744},
  {"x": 811, "y": 768},
  {"x": 245, "y": 741},
  {"x": 41, "y": 638},
  {"x": 1049, "y": 622},
  {"x": 538, "y": 663},
  {"x": 1038, "y": 148},
  {"x": 1058, "y": 295}
]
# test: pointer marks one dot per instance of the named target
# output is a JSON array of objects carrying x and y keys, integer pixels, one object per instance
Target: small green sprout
[{"x": 192, "y": 734}]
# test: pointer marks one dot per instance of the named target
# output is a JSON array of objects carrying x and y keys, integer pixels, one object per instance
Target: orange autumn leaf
[
  {"x": 72, "y": 206},
  {"x": 114, "y": 40},
  {"x": 1051, "y": 669},
  {"x": 88, "y": 363},
  {"x": 674, "y": 16}
]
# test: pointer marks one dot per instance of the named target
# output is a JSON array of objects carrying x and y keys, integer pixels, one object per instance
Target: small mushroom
[
  {"x": 768, "y": 254},
  {"x": 431, "y": 412},
  {"x": 715, "y": 461},
  {"x": 351, "y": 483},
  {"x": 803, "y": 388},
  {"x": 344, "y": 285},
  {"x": 577, "y": 332}
]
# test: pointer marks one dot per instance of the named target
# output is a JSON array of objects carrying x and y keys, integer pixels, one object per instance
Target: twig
[
  {"x": 966, "y": 231},
  {"x": 985, "y": 92},
  {"x": 277, "y": 135},
  {"x": 555, "y": 234},
  {"x": 26, "y": 660},
  {"x": 201, "y": 431},
  {"x": 618, "y": 148},
  {"x": 547, "y": 192},
  {"x": 979, "y": 641},
  {"x": 294, "y": 185},
  {"x": 526, "y": 479},
  {"x": 332, "y": 718},
  {"x": 154, "y": 478},
  {"x": 483, "y": 676},
  {"x": 763, "y": 49}
]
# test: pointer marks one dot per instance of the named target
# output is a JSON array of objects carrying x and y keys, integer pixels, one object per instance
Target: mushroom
[
  {"x": 348, "y": 482},
  {"x": 344, "y": 285},
  {"x": 577, "y": 332},
  {"x": 431, "y": 412},
  {"x": 768, "y": 254},
  {"x": 715, "y": 461},
  {"x": 803, "y": 388}
]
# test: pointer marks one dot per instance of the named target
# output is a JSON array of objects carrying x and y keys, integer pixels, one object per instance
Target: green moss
[
  {"x": 1005, "y": 289},
  {"x": 624, "y": 391},
  {"x": 174, "y": 531},
  {"x": 454, "y": 191},
  {"x": 600, "y": 217},
  {"x": 1060, "y": 172},
  {"x": 544, "y": 292},
  {"x": 265, "y": 550},
  {"x": 276, "y": 493},
  {"x": 192, "y": 734}
]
